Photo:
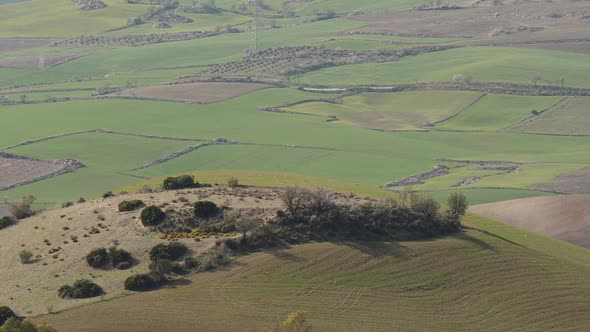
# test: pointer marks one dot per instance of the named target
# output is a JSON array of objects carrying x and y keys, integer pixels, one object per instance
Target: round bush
[
  {"x": 132, "y": 205},
  {"x": 5, "y": 314},
  {"x": 152, "y": 216},
  {"x": 82, "y": 289},
  {"x": 6, "y": 222},
  {"x": 172, "y": 251},
  {"x": 119, "y": 256},
  {"x": 98, "y": 258},
  {"x": 206, "y": 209},
  {"x": 143, "y": 282}
]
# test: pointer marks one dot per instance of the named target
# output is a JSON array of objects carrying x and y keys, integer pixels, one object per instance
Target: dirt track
[{"x": 562, "y": 217}]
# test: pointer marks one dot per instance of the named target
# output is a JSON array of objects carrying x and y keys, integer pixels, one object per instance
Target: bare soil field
[
  {"x": 17, "y": 170},
  {"x": 19, "y": 44},
  {"x": 563, "y": 217},
  {"x": 38, "y": 62},
  {"x": 209, "y": 92},
  {"x": 520, "y": 19},
  {"x": 60, "y": 238},
  {"x": 569, "y": 117},
  {"x": 577, "y": 182}
]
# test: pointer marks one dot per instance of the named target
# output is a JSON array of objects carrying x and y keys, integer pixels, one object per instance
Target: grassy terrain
[
  {"x": 483, "y": 63},
  {"x": 393, "y": 111},
  {"x": 425, "y": 285},
  {"x": 62, "y": 18},
  {"x": 569, "y": 117},
  {"x": 496, "y": 112}
]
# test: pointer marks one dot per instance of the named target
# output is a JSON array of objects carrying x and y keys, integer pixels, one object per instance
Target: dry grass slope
[{"x": 477, "y": 280}]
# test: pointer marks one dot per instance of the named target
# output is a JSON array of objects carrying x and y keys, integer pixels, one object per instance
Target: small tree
[
  {"x": 458, "y": 204},
  {"x": 25, "y": 257},
  {"x": 424, "y": 204},
  {"x": 248, "y": 225},
  {"x": 536, "y": 78},
  {"x": 293, "y": 199},
  {"x": 23, "y": 99},
  {"x": 233, "y": 182},
  {"x": 22, "y": 209},
  {"x": 319, "y": 201}
]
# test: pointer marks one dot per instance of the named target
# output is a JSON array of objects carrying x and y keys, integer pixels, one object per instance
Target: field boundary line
[
  {"x": 535, "y": 115},
  {"x": 477, "y": 100}
]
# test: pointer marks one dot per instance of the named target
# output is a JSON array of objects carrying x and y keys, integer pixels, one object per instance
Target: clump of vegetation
[
  {"x": 5, "y": 314},
  {"x": 26, "y": 257},
  {"x": 143, "y": 281},
  {"x": 6, "y": 222},
  {"x": 152, "y": 216},
  {"x": 108, "y": 194},
  {"x": 171, "y": 251},
  {"x": 179, "y": 182},
  {"x": 132, "y": 205},
  {"x": 16, "y": 324},
  {"x": 82, "y": 289},
  {"x": 117, "y": 258},
  {"x": 98, "y": 258},
  {"x": 206, "y": 209},
  {"x": 233, "y": 182},
  {"x": 22, "y": 209}
]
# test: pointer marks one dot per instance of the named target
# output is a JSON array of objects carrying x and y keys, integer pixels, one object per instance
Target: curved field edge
[{"x": 528, "y": 282}]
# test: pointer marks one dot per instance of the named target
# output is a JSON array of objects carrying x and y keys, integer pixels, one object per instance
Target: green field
[
  {"x": 497, "y": 112},
  {"x": 482, "y": 63},
  {"x": 393, "y": 111},
  {"x": 528, "y": 282},
  {"x": 570, "y": 117}
]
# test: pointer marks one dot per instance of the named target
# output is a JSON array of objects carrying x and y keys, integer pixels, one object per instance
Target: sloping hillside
[
  {"x": 563, "y": 217},
  {"x": 492, "y": 277}
]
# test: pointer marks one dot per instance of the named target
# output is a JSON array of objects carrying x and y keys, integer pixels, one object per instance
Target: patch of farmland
[
  {"x": 484, "y": 64},
  {"x": 373, "y": 286},
  {"x": 496, "y": 112},
  {"x": 577, "y": 182},
  {"x": 16, "y": 170},
  {"x": 570, "y": 117},
  {"x": 392, "y": 111},
  {"x": 19, "y": 44},
  {"x": 194, "y": 92},
  {"x": 38, "y": 62},
  {"x": 563, "y": 217},
  {"x": 509, "y": 19}
]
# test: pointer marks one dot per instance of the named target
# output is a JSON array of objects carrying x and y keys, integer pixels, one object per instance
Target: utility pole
[{"x": 255, "y": 43}]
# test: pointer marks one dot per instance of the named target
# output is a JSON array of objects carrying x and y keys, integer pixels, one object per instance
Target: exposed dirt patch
[
  {"x": 563, "y": 217},
  {"x": 38, "y": 62},
  {"x": 526, "y": 19},
  {"x": 194, "y": 92},
  {"x": 577, "y": 182},
  {"x": 17, "y": 170},
  {"x": 19, "y": 44}
]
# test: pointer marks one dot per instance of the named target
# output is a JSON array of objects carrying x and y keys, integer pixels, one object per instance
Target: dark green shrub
[
  {"x": 108, "y": 194},
  {"x": 191, "y": 263},
  {"x": 119, "y": 257},
  {"x": 172, "y": 251},
  {"x": 143, "y": 281},
  {"x": 179, "y": 182},
  {"x": 98, "y": 258},
  {"x": 82, "y": 289},
  {"x": 152, "y": 216},
  {"x": 5, "y": 314},
  {"x": 132, "y": 205},
  {"x": 206, "y": 209},
  {"x": 6, "y": 222}
]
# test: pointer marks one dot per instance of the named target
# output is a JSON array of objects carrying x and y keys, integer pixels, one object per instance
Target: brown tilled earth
[
  {"x": 577, "y": 182},
  {"x": 19, "y": 44},
  {"x": 534, "y": 18},
  {"x": 565, "y": 218},
  {"x": 38, "y": 62},
  {"x": 16, "y": 171},
  {"x": 194, "y": 92}
]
